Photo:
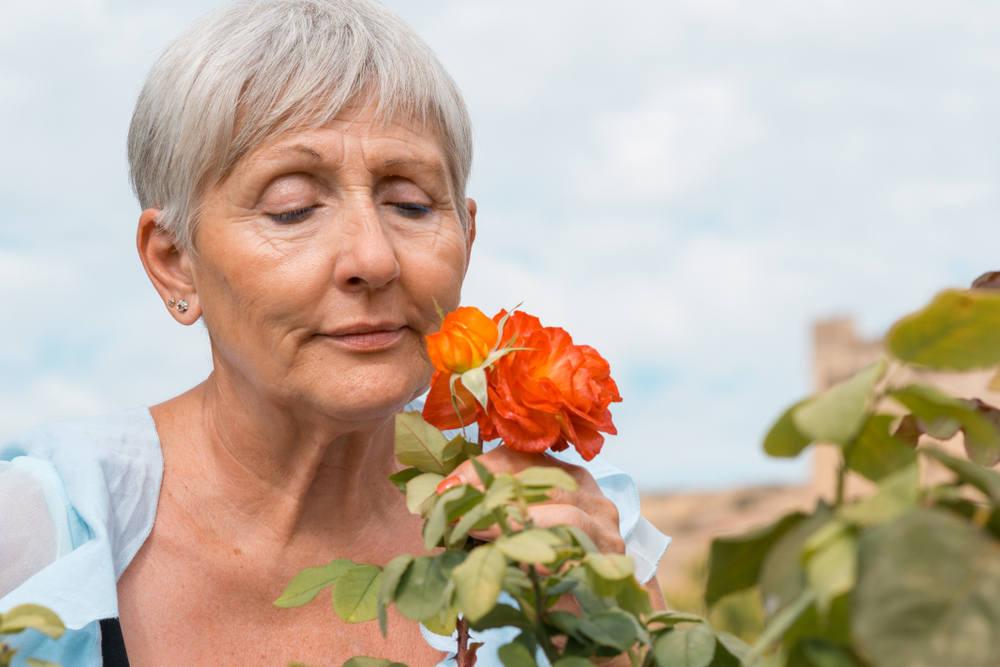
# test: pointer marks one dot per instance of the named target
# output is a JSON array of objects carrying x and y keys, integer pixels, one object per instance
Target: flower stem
[
  {"x": 462, "y": 656},
  {"x": 540, "y": 630}
]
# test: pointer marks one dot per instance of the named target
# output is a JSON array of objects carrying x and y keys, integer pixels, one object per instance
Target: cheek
[
  {"x": 436, "y": 268},
  {"x": 255, "y": 284}
]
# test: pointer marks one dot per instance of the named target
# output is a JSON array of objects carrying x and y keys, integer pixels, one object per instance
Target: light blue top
[{"x": 78, "y": 499}]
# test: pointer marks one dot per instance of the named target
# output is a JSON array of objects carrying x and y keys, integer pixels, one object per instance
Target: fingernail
[{"x": 449, "y": 483}]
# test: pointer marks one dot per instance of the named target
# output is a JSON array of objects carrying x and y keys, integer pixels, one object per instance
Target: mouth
[{"x": 368, "y": 337}]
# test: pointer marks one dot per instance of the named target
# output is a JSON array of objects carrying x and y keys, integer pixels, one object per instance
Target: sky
[{"x": 684, "y": 185}]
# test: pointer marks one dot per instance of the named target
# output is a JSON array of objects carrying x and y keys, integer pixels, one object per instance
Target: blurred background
[{"x": 686, "y": 186}]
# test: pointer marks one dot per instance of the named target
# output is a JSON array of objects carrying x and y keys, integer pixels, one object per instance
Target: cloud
[{"x": 685, "y": 186}]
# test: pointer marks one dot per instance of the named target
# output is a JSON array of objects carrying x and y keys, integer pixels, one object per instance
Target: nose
[{"x": 368, "y": 258}]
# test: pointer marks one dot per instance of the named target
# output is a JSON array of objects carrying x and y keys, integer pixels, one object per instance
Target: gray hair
[{"x": 255, "y": 69}]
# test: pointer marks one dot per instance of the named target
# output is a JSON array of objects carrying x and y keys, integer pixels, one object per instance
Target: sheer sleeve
[{"x": 34, "y": 531}]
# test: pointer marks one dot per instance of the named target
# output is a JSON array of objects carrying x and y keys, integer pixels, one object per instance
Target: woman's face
[{"x": 319, "y": 261}]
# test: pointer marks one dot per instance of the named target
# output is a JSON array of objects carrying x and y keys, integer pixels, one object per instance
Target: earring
[
  {"x": 182, "y": 306},
  {"x": 170, "y": 304}
]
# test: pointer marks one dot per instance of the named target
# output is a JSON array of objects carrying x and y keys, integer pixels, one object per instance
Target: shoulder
[{"x": 77, "y": 500}]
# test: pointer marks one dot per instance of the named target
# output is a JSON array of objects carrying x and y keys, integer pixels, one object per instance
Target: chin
[{"x": 373, "y": 395}]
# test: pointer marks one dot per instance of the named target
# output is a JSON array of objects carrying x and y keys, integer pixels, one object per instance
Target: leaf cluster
[
  {"x": 909, "y": 574},
  {"x": 516, "y": 581}
]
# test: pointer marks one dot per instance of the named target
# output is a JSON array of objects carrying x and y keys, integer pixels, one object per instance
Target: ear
[
  {"x": 168, "y": 267},
  {"x": 470, "y": 236}
]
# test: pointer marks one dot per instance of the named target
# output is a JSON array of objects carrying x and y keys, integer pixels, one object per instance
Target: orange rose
[
  {"x": 550, "y": 395},
  {"x": 464, "y": 342}
]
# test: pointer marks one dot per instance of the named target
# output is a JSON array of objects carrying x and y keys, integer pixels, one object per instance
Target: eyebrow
[
  {"x": 298, "y": 148},
  {"x": 433, "y": 166}
]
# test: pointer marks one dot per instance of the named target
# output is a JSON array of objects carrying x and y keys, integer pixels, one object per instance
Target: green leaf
[
  {"x": 782, "y": 578},
  {"x": 502, "y": 615},
  {"x": 606, "y": 574},
  {"x": 812, "y": 652},
  {"x": 479, "y": 580},
  {"x": 438, "y": 520},
  {"x": 458, "y": 507},
  {"x": 784, "y": 439},
  {"x": 355, "y": 593},
  {"x": 548, "y": 476},
  {"x": 928, "y": 593},
  {"x": 310, "y": 581},
  {"x": 477, "y": 518},
  {"x": 613, "y": 628},
  {"x": 573, "y": 661},
  {"x": 399, "y": 479},
  {"x": 500, "y": 490},
  {"x": 984, "y": 479},
  {"x": 957, "y": 331},
  {"x": 896, "y": 495},
  {"x": 693, "y": 647},
  {"x": 734, "y": 562},
  {"x": 672, "y": 618},
  {"x": 485, "y": 476},
  {"x": 420, "y": 592},
  {"x": 876, "y": 453},
  {"x": 564, "y": 623},
  {"x": 782, "y": 621},
  {"x": 838, "y": 414},
  {"x": 614, "y": 567},
  {"x": 391, "y": 576},
  {"x": 444, "y": 623},
  {"x": 737, "y": 648},
  {"x": 984, "y": 454},
  {"x": 590, "y": 601},
  {"x": 835, "y": 627},
  {"x": 938, "y": 413},
  {"x": 831, "y": 557},
  {"x": 35, "y": 662},
  {"x": 421, "y": 492},
  {"x": 581, "y": 538},
  {"x": 634, "y": 598},
  {"x": 457, "y": 452},
  {"x": 419, "y": 444},
  {"x": 530, "y": 546},
  {"x": 516, "y": 655},
  {"x": 32, "y": 616}
]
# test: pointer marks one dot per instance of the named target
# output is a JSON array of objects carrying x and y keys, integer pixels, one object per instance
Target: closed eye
[
  {"x": 291, "y": 216},
  {"x": 411, "y": 210}
]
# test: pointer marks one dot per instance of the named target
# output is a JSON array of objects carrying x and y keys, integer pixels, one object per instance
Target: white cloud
[
  {"x": 668, "y": 146},
  {"x": 684, "y": 185}
]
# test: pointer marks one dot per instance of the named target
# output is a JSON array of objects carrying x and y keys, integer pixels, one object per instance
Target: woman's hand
[{"x": 587, "y": 508}]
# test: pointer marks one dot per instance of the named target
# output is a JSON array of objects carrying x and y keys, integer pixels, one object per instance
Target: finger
[
  {"x": 501, "y": 459},
  {"x": 486, "y": 534}
]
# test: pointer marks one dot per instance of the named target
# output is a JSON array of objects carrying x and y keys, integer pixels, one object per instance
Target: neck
[{"x": 249, "y": 465}]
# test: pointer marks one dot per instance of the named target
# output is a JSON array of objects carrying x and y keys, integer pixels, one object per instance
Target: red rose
[{"x": 553, "y": 393}]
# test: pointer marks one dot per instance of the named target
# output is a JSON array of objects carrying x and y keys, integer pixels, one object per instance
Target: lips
[{"x": 368, "y": 337}]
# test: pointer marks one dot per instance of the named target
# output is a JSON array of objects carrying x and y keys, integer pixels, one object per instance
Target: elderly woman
[{"x": 302, "y": 165}]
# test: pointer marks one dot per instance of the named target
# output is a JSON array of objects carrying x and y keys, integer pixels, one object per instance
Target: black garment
[{"x": 113, "y": 644}]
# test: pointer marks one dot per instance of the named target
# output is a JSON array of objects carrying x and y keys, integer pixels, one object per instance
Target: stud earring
[
  {"x": 182, "y": 306},
  {"x": 170, "y": 304}
]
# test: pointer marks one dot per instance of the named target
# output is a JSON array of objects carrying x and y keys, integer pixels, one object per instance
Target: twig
[{"x": 462, "y": 655}]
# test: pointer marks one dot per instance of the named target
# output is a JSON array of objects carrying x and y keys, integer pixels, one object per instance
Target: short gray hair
[{"x": 255, "y": 69}]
